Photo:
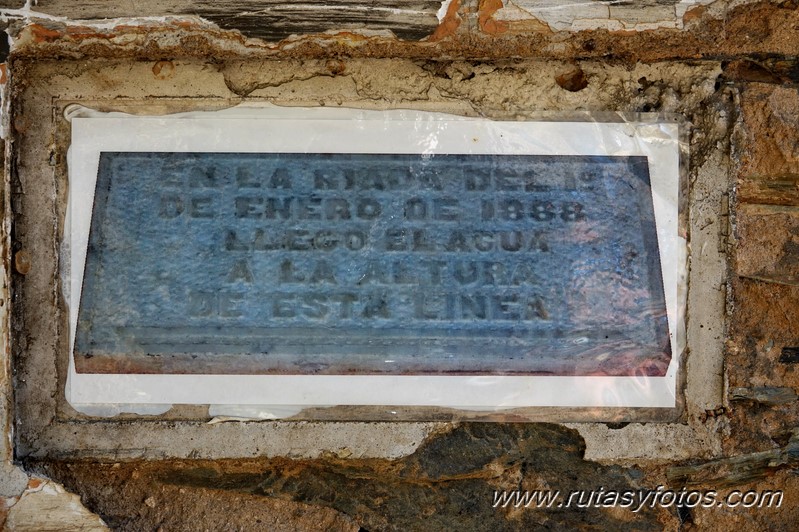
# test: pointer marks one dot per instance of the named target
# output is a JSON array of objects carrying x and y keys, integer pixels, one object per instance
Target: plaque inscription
[{"x": 288, "y": 263}]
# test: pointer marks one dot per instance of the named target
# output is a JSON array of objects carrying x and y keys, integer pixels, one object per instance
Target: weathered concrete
[{"x": 517, "y": 89}]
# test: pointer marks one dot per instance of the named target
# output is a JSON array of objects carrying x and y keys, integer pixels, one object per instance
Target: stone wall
[{"x": 729, "y": 69}]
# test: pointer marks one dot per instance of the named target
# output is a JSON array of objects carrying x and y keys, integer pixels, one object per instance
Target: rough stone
[
  {"x": 13, "y": 480},
  {"x": 772, "y": 146},
  {"x": 737, "y": 470},
  {"x": 765, "y": 395},
  {"x": 764, "y": 518},
  {"x": 763, "y": 292},
  {"x": 448, "y": 483},
  {"x": 46, "y": 507},
  {"x": 714, "y": 33},
  {"x": 765, "y": 254}
]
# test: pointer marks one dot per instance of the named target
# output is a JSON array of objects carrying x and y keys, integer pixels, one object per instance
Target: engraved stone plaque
[
  {"x": 267, "y": 260},
  {"x": 350, "y": 263}
]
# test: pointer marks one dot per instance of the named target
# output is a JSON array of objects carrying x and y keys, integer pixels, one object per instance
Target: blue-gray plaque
[{"x": 331, "y": 263}]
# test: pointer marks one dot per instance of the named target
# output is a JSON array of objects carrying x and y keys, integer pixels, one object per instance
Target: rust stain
[
  {"x": 485, "y": 17},
  {"x": 34, "y": 483},
  {"x": 349, "y": 36},
  {"x": 336, "y": 67},
  {"x": 82, "y": 32},
  {"x": 450, "y": 24},
  {"x": 779, "y": 190},
  {"x": 42, "y": 34},
  {"x": 163, "y": 69},
  {"x": 574, "y": 80},
  {"x": 74, "y": 33},
  {"x": 3, "y": 73},
  {"x": 22, "y": 261},
  {"x": 694, "y": 13},
  {"x": 85, "y": 32},
  {"x": 76, "y": 36}
]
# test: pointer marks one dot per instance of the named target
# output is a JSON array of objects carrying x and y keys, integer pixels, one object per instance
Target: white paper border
[{"x": 326, "y": 130}]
